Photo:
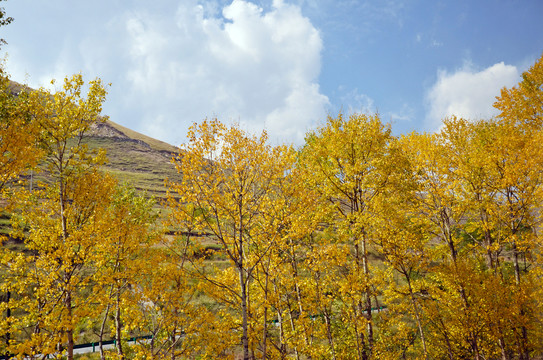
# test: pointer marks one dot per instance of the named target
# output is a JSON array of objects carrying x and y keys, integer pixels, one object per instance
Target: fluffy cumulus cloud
[
  {"x": 239, "y": 63},
  {"x": 468, "y": 93}
]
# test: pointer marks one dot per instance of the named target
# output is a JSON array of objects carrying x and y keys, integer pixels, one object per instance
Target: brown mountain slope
[
  {"x": 129, "y": 133},
  {"x": 138, "y": 159}
]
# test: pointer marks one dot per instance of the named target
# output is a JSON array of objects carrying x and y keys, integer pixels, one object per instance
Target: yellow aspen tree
[
  {"x": 517, "y": 155},
  {"x": 18, "y": 132},
  {"x": 167, "y": 311},
  {"x": 121, "y": 258},
  {"x": 499, "y": 170},
  {"x": 440, "y": 209},
  {"x": 53, "y": 282},
  {"x": 522, "y": 105},
  {"x": 290, "y": 284},
  {"x": 275, "y": 224},
  {"x": 171, "y": 307},
  {"x": 347, "y": 162},
  {"x": 521, "y": 117},
  {"x": 479, "y": 193},
  {"x": 492, "y": 171},
  {"x": 228, "y": 181},
  {"x": 403, "y": 243},
  {"x": 63, "y": 219},
  {"x": 473, "y": 149},
  {"x": 303, "y": 279},
  {"x": 18, "y": 153}
]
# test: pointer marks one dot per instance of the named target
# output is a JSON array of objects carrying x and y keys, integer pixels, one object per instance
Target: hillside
[
  {"x": 135, "y": 158},
  {"x": 138, "y": 159}
]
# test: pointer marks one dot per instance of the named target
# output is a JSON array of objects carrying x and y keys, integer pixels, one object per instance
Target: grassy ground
[
  {"x": 5, "y": 226},
  {"x": 136, "y": 163},
  {"x": 91, "y": 356}
]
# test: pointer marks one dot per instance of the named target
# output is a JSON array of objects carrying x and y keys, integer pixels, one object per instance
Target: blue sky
[{"x": 277, "y": 65}]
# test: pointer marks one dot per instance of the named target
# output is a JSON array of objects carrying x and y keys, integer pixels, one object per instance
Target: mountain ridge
[
  {"x": 109, "y": 128},
  {"x": 135, "y": 158},
  {"x": 132, "y": 157}
]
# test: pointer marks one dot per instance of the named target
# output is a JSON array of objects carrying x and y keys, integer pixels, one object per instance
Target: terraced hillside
[
  {"x": 135, "y": 158},
  {"x": 138, "y": 159}
]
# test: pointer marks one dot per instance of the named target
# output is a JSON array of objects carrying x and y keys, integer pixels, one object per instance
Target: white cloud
[
  {"x": 178, "y": 62},
  {"x": 23, "y": 72},
  {"x": 259, "y": 68},
  {"x": 354, "y": 101},
  {"x": 467, "y": 93},
  {"x": 357, "y": 102},
  {"x": 405, "y": 114}
]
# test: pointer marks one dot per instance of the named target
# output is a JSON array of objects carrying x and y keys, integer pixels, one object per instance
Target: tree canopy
[{"x": 358, "y": 245}]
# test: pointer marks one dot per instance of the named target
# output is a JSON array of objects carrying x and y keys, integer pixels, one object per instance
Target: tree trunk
[
  {"x": 505, "y": 355},
  {"x": 244, "y": 321},
  {"x": 417, "y": 315},
  {"x": 8, "y": 315},
  {"x": 524, "y": 352},
  {"x": 447, "y": 340},
  {"x": 298, "y": 298},
  {"x": 368, "y": 316},
  {"x": 118, "y": 326},
  {"x": 265, "y": 331},
  {"x": 172, "y": 355},
  {"x": 329, "y": 332},
  {"x": 68, "y": 297},
  {"x": 69, "y": 331},
  {"x": 361, "y": 352},
  {"x": 101, "y": 336}
]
